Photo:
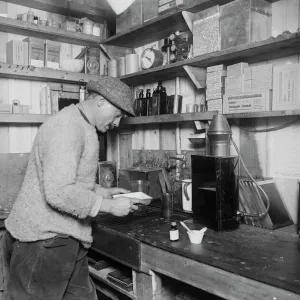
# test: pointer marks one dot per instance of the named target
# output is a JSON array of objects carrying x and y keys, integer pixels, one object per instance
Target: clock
[{"x": 151, "y": 58}]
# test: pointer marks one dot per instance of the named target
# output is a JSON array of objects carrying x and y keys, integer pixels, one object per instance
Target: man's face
[{"x": 107, "y": 116}]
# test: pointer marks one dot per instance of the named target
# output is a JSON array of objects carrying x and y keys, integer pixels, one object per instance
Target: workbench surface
[{"x": 269, "y": 257}]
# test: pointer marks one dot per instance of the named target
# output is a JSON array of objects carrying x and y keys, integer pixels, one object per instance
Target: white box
[
  {"x": 216, "y": 68},
  {"x": 286, "y": 87},
  {"x": 247, "y": 102},
  {"x": 236, "y": 70},
  {"x": 17, "y": 52}
]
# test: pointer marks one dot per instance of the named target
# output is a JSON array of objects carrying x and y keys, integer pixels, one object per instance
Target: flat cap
[{"x": 115, "y": 91}]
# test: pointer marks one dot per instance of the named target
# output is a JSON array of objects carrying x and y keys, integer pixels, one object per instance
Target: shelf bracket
[
  {"x": 197, "y": 75},
  {"x": 189, "y": 18}
]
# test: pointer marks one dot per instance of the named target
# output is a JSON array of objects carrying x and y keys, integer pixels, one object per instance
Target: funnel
[{"x": 219, "y": 135}]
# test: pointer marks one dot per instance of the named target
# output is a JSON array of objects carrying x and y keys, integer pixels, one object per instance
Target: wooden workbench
[{"x": 248, "y": 263}]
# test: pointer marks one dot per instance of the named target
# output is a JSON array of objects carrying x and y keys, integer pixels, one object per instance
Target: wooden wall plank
[{"x": 12, "y": 172}]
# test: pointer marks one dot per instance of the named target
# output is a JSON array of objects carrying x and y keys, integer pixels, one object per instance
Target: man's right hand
[{"x": 120, "y": 206}]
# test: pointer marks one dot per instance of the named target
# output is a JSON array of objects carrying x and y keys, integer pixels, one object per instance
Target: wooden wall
[{"x": 16, "y": 140}]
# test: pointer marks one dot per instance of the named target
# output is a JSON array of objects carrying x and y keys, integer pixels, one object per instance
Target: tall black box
[{"x": 215, "y": 191}]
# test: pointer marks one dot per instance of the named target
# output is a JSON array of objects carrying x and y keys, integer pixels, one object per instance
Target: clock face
[{"x": 148, "y": 58}]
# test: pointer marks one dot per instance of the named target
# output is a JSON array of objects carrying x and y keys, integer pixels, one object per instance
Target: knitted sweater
[{"x": 58, "y": 194}]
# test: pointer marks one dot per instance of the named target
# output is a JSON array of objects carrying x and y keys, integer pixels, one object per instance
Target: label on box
[
  {"x": 286, "y": 82},
  {"x": 53, "y": 54},
  {"x": 247, "y": 102}
]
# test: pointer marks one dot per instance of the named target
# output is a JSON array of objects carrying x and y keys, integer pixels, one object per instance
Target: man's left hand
[{"x": 109, "y": 192}]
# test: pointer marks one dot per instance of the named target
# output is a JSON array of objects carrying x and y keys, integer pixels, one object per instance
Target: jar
[
  {"x": 96, "y": 30},
  {"x": 87, "y": 27},
  {"x": 30, "y": 16},
  {"x": 174, "y": 232}
]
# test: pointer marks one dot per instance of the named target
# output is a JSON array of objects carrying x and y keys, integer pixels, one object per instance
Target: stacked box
[
  {"x": 258, "y": 79},
  {"x": 36, "y": 52},
  {"x": 215, "y": 80},
  {"x": 17, "y": 52},
  {"x": 215, "y": 105},
  {"x": 234, "y": 79},
  {"x": 206, "y": 31},
  {"x": 286, "y": 87},
  {"x": 52, "y": 54},
  {"x": 247, "y": 102}
]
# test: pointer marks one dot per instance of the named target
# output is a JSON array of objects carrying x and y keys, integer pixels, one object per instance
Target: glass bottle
[
  {"x": 174, "y": 232},
  {"x": 149, "y": 102},
  {"x": 143, "y": 103},
  {"x": 155, "y": 107}
]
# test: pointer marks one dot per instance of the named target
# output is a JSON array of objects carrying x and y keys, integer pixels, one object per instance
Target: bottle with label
[
  {"x": 82, "y": 93},
  {"x": 174, "y": 232},
  {"x": 159, "y": 99},
  {"x": 149, "y": 102}
]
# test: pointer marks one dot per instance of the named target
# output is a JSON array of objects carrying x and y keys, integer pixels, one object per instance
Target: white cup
[
  {"x": 187, "y": 195},
  {"x": 196, "y": 237}
]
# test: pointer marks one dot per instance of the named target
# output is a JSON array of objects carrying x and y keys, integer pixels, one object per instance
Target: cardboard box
[
  {"x": 244, "y": 21},
  {"x": 52, "y": 54},
  {"x": 216, "y": 68},
  {"x": 247, "y": 102},
  {"x": 286, "y": 87},
  {"x": 236, "y": 70},
  {"x": 206, "y": 31},
  {"x": 233, "y": 84},
  {"x": 150, "y": 10},
  {"x": 214, "y": 96},
  {"x": 17, "y": 52},
  {"x": 36, "y": 51},
  {"x": 131, "y": 17}
]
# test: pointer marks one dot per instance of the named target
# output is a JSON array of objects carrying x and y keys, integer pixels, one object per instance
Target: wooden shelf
[
  {"x": 42, "y": 74},
  {"x": 101, "y": 275},
  {"x": 97, "y": 11},
  {"x": 205, "y": 116},
  {"x": 260, "y": 51},
  {"x": 263, "y": 114},
  {"x": 22, "y": 118},
  {"x": 175, "y": 118},
  {"x": 162, "y": 26},
  {"x": 46, "y": 32}
]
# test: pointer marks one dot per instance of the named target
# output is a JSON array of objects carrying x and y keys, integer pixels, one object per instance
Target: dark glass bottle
[
  {"x": 143, "y": 104},
  {"x": 163, "y": 101},
  {"x": 149, "y": 102},
  {"x": 155, "y": 107},
  {"x": 174, "y": 232},
  {"x": 136, "y": 104}
]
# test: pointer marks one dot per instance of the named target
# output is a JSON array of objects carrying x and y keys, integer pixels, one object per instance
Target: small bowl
[
  {"x": 196, "y": 237},
  {"x": 71, "y": 65},
  {"x": 197, "y": 138}
]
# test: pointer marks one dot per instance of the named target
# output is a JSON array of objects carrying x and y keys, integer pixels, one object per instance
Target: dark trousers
[{"x": 53, "y": 269}]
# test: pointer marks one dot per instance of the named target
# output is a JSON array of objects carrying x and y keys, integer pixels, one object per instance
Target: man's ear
[{"x": 100, "y": 102}]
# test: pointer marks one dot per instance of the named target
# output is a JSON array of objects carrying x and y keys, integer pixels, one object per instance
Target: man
[{"x": 49, "y": 227}]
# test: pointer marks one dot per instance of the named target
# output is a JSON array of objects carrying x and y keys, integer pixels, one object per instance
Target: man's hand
[
  {"x": 120, "y": 206},
  {"x": 108, "y": 193}
]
